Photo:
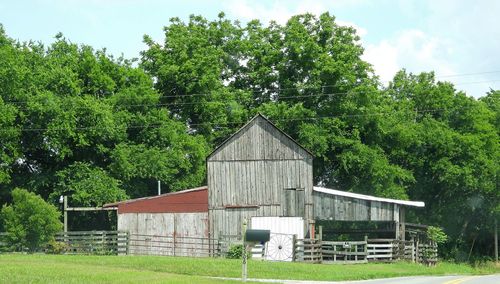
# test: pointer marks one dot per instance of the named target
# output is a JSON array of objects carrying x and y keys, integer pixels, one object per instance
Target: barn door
[{"x": 293, "y": 203}]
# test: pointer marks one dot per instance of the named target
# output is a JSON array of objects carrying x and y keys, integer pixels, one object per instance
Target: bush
[
  {"x": 54, "y": 247},
  {"x": 436, "y": 235},
  {"x": 235, "y": 252},
  {"x": 29, "y": 221}
]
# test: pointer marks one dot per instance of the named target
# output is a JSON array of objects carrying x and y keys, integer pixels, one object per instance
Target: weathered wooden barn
[
  {"x": 258, "y": 171},
  {"x": 259, "y": 174}
]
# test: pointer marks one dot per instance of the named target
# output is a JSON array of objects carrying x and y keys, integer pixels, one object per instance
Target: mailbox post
[
  {"x": 244, "y": 270},
  {"x": 251, "y": 237}
]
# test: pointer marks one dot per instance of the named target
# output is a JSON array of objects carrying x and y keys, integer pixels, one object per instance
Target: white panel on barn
[{"x": 280, "y": 245}]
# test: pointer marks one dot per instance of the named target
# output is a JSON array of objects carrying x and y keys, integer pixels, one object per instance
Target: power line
[
  {"x": 225, "y": 124},
  {"x": 277, "y": 97},
  {"x": 467, "y": 74},
  {"x": 477, "y": 82}
]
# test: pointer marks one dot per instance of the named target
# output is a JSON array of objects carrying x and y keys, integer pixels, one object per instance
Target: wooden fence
[
  {"x": 172, "y": 246},
  {"x": 307, "y": 250},
  {"x": 370, "y": 250},
  {"x": 387, "y": 250},
  {"x": 93, "y": 242},
  {"x": 344, "y": 252},
  {"x": 121, "y": 243}
]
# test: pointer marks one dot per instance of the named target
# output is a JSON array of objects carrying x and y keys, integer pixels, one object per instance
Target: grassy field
[{"x": 39, "y": 268}]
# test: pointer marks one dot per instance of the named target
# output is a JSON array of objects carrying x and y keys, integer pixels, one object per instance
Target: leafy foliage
[
  {"x": 29, "y": 221},
  {"x": 436, "y": 235},
  {"x": 87, "y": 185},
  {"x": 235, "y": 252}
]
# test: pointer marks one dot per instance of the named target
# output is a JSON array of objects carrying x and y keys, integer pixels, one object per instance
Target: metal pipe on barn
[{"x": 159, "y": 187}]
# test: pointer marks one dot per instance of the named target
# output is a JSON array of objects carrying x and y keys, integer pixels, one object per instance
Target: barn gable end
[{"x": 259, "y": 139}]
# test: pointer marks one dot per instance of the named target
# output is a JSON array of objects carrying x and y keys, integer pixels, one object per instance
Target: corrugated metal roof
[
  {"x": 368, "y": 197},
  {"x": 190, "y": 200}
]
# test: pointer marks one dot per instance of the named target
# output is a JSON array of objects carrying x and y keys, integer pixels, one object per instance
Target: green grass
[{"x": 39, "y": 268}]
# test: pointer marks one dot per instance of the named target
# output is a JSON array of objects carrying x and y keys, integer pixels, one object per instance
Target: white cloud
[
  {"x": 279, "y": 11},
  {"x": 413, "y": 50}
]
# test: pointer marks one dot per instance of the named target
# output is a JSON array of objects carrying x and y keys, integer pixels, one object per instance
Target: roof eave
[{"x": 368, "y": 197}]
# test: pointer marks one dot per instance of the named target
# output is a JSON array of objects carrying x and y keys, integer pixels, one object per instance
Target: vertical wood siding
[
  {"x": 154, "y": 233},
  {"x": 256, "y": 167},
  {"x": 341, "y": 208}
]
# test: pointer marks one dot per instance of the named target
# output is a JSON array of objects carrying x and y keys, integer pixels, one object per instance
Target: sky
[{"x": 457, "y": 39}]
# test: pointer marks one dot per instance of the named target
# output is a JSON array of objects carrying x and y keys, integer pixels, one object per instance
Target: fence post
[
  {"x": 294, "y": 248},
  {"x": 366, "y": 248},
  {"x": 219, "y": 246},
  {"x": 128, "y": 242},
  {"x": 398, "y": 248},
  {"x": 103, "y": 243},
  {"x": 320, "y": 242},
  {"x": 417, "y": 251}
]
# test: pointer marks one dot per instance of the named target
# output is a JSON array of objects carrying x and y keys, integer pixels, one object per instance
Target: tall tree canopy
[
  {"x": 80, "y": 122},
  {"x": 73, "y": 119}
]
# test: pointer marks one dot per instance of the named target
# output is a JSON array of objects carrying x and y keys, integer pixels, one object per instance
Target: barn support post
[
  {"x": 402, "y": 225},
  {"x": 312, "y": 229},
  {"x": 396, "y": 230}
]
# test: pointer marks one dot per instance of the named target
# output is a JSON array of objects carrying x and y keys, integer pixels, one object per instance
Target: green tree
[
  {"x": 68, "y": 111},
  {"x": 29, "y": 221},
  {"x": 87, "y": 185}
]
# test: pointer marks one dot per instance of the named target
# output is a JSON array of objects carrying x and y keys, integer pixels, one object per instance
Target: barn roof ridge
[
  {"x": 250, "y": 121},
  {"x": 156, "y": 196},
  {"x": 368, "y": 197}
]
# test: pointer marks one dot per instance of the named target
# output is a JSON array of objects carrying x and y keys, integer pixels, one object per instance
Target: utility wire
[
  {"x": 277, "y": 97},
  {"x": 226, "y": 124},
  {"x": 467, "y": 74}
]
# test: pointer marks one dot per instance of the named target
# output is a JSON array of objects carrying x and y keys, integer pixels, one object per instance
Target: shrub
[
  {"x": 235, "y": 252},
  {"x": 54, "y": 247},
  {"x": 436, "y": 235},
  {"x": 29, "y": 221}
]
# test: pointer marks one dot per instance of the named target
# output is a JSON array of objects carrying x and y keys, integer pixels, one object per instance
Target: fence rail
[
  {"x": 307, "y": 250},
  {"x": 370, "y": 250},
  {"x": 346, "y": 252},
  {"x": 172, "y": 245},
  {"x": 94, "y": 242}
]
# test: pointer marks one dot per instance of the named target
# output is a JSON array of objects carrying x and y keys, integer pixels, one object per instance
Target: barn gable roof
[
  {"x": 247, "y": 125},
  {"x": 368, "y": 197}
]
